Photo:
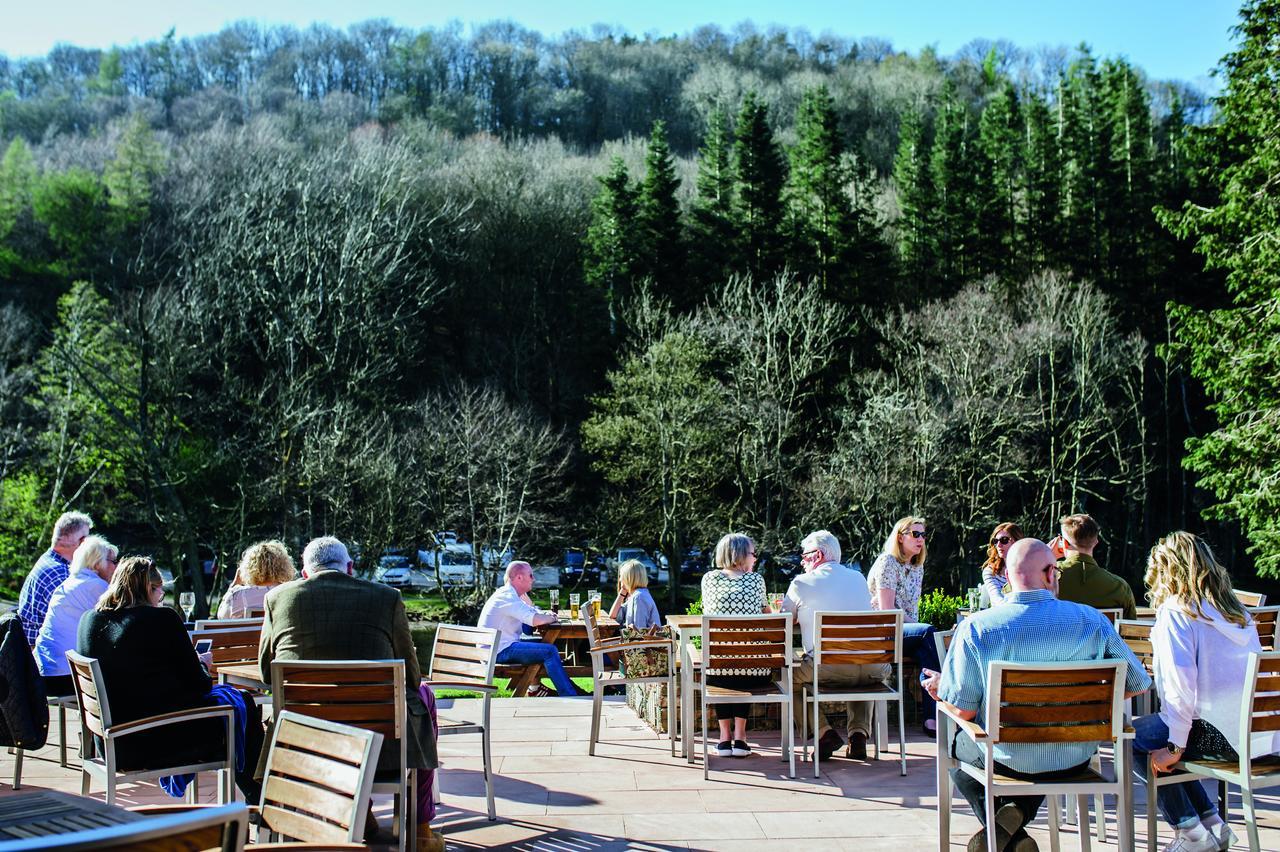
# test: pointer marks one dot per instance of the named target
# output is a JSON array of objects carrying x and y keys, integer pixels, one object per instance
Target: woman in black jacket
[{"x": 149, "y": 667}]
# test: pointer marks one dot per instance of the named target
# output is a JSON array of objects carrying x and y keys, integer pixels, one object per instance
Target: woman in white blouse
[
  {"x": 993, "y": 576},
  {"x": 1201, "y": 642}
]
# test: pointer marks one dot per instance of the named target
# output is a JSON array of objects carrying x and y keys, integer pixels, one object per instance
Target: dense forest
[{"x": 606, "y": 290}]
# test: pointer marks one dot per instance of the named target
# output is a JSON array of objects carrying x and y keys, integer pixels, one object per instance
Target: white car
[{"x": 656, "y": 574}]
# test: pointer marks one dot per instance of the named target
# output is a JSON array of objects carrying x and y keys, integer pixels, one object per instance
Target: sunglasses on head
[{"x": 914, "y": 533}]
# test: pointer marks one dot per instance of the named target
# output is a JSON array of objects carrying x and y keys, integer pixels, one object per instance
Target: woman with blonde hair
[
  {"x": 92, "y": 565},
  {"x": 634, "y": 605},
  {"x": 993, "y": 576},
  {"x": 263, "y": 566},
  {"x": 734, "y": 589},
  {"x": 150, "y": 667},
  {"x": 895, "y": 581},
  {"x": 1201, "y": 643}
]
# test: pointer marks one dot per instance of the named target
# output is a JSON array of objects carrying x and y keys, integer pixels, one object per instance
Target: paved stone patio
[{"x": 551, "y": 795}]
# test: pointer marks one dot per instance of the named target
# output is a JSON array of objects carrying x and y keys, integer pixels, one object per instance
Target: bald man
[
  {"x": 1033, "y": 626},
  {"x": 509, "y": 611}
]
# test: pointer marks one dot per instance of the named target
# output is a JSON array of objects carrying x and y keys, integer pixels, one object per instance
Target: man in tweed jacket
[{"x": 330, "y": 615}]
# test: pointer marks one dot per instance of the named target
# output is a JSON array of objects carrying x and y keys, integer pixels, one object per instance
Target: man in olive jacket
[
  {"x": 1082, "y": 579},
  {"x": 330, "y": 615}
]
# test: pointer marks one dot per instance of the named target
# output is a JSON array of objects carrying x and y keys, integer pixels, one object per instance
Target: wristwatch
[{"x": 1173, "y": 749}]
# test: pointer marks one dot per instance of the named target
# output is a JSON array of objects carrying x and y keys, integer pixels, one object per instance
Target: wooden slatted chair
[
  {"x": 1258, "y": 715},
  {"x": 735, "y": 642},
  {"x": 1112, "y": 614},
  {"x": 605, "y": 674},
  {"x": 95, "y": 719},
  {"x": 942, "y": 642},
  {"x": 1250, "y": 599},
  {"x": 1137, "y": 635},
  {"x": 230, "y": 645},
  {"x": 318, "y": 780},
  {"x": 1266, "y": 619},
  {"x": 220, "y": 828},
  {"x": 464, "y": 658},
  {"x": 1045, "y": 703},
  {"x": 367, "y": 694},
  {"x": 228, "y": 623},
  {"x": 855, "y": 638}
]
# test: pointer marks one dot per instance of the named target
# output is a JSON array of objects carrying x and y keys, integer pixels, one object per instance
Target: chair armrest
[
  {"x": 614, "y": 646},
  {"x": 145, "y": 724},
  {"x": 462, "y": 684},
  {"x": 973, "y": 730},
  {"x": 163, "y": 810},
  {"x": 308, "y": 847}
]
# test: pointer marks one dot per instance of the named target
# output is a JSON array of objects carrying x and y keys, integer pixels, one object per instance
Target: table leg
[
  {"x": 686, "y": 701},
  {"x": 528, "y": 677}
]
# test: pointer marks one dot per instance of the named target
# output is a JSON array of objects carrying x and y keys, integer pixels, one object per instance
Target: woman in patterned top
[
  {"x": 734, "y": 589},
  {"x": 993, "y": 576},
  {"x": 895, "y": 581}
]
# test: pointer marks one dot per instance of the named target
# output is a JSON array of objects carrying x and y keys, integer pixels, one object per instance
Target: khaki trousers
[{"x": 836, "y": 678}]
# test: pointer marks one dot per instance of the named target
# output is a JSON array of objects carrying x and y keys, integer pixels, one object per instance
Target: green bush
[
  {"x": 695, "y": 608},
  {"x": 939, "y": 609}
]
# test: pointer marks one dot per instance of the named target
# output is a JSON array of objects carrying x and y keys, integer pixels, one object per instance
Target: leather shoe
[
  {"x": 1010, "y": 836},
  {"x": 1021, "y": 842},
  {"x": 829, "y": 744},
  {"x": 857, "y": 746}
]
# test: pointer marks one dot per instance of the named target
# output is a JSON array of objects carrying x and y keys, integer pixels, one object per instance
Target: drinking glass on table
[
  {"x": 775, "y": 602},
  {"x": 555, "y": 600},
  {"x": 574, "y": 600},
  {"x": 187, "y": 600}
]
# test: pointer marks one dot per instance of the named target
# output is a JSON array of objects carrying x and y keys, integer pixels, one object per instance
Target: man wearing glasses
[
  {"x": 50, "y": 570},
  {"x": 1032, "y": 626},
  {"x": 827, "y": 586}
]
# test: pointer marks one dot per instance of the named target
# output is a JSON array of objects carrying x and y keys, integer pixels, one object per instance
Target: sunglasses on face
[
  {"x": 1003, "y": 539},
  {"x": 914, "y": 533}
]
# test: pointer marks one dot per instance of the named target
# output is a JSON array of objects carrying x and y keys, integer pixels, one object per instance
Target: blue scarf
[{"x": 176, "y": 785}]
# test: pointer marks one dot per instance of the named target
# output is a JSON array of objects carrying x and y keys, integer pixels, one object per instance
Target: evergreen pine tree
[
  {"x": 818, "y": 196},
  {"x": 1040, "y": 183},
  {"x": 18, "y": 177},
  {"x": 713, "y": 238},
  {"x": 760, "y": 176},
  {"x": 1129, "y": 188},
  {"x": 1081, "y": 156},
  {"x": 917, "y": 242},
  {"x": 658, "y": 226},
  {"x": 610, "y": 258},
  {"x": 951, "y": 172},
  {"x": 128, "y": 177},
  {"x": 1000, "y": 151}
]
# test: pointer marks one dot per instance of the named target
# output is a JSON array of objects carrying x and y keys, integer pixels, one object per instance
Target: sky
[{"x": 1169, "y": 39}]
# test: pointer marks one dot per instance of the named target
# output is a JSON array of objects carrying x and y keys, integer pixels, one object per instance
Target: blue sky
[{"x": 1181, "y": 39}]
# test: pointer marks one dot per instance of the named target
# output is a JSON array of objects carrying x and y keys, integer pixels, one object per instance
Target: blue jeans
[
  {"x": 529, "y": 653},
  {"x": 967, "y": 751},
  {"x": 917, "y": 642},
  {"x": 1182, "y": 805}
]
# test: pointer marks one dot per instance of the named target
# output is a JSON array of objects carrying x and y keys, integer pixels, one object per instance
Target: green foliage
[
  {"x": 761, "y": 175},
  {"x": 818, "y": 195},
  {"x": 611, "y": 247},
  {"x": 18, "y": 178},
  {"x": 110, "y": 77},
  {"x": 917, "y": 245},
  {"x": 25, "y": 516},
  {"x": 1000, "y": 147},
  {"x": 951, "y": 174},
  {"x": 658, "y": 224},
  {"x": 940, "y": 609},
  {"x": 712, "y": 241},
  {"x": 73, "y": 206},
  {"x": 1235, "y": 350},
  {"x": 138, "y": 162},
  {"x": 695, "y": 607}
]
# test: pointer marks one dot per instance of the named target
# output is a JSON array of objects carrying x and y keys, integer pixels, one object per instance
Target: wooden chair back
[
  {"x": 757, "y": 642},
  {"x": 464, "y": 654},
  {"x": 1137, "y": 635},
  {"x": 366, "y": 694},
  {"x": 942, "y": 642},
  {"x": 1262, "y": 697},
  {"x": 220, "y": 828},
  {"x": 1250, "y": 599},
  {"x": 91, "y": 696},
  {"x": 589, "y": 621},
  {"x": 857, "y": 638},
  {"x": 318, "y": 779},
  {"x": 1055, "y": 702},
  {"x": 231, "y": 645},
  {"x": 1265, "y": 617},
  {"x": 1112, "y": 615},
  {"x": 228, "y": 623}
]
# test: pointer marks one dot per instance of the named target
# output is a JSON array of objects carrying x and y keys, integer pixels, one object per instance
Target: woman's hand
[{"x": 1164, "y": 760}]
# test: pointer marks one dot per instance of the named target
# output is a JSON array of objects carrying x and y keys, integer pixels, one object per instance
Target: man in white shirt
[
  {"x": 828, "y": 586},
  {"x": 507, "y": 611}
]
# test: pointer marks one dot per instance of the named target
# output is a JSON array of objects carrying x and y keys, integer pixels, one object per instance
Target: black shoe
[
  {"x": 857, "y": 746},
  {"x": 741, "y": 749},
  {"x": 1009, "y": 832},
  {"x": 1021, "y": 842},
  {"x": 829, "y": 744},
  {"x": 724, "y": 749}
]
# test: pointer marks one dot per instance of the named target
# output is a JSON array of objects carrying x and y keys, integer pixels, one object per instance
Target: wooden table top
[
  {"x": 683, "y": 622},
  {"x": 241, "y": 674},
  {"x": 44, "y": 813}
]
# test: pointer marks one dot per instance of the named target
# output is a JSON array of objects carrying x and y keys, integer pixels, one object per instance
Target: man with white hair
[
  {"x": 827, "y": 586},
  {"x": 50, "y": 570},
  {"x": 1032, "y": 626},
  {"x": 507, "y": 611}
]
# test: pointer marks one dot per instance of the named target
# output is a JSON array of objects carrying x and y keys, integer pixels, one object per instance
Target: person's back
[
  {"x": 72, "y": 599},
  {"x": 1084, "y": 581},
  {"x": 831, "y": 587},
  {"x": 641, "y": 611}
]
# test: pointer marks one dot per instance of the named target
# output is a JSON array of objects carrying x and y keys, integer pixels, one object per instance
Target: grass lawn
[{"x": 503, "y": 684}]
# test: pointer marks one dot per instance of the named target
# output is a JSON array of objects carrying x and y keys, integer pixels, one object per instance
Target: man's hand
[
  {"x": 1164, "y": 760},
  {"x": 931, "y": 682}
]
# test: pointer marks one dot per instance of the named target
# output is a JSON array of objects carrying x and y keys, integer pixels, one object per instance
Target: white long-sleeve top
[
  {"x": 1200, "y": 673},
  {"x": 994, "y": 585}
]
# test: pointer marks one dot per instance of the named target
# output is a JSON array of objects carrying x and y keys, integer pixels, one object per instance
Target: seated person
[
  {"x": 149, "y": 667},
  {"x": 1083, "y": 580},
  {"x": 1031, "y": 626},
  {"x": 828, "y": 586},
  {"x": 993, "y": 577},
  {"x": 91, "y": 568},
  {"x": 634, "y": 606},
  {"x": 508, "y": 610},
  {"x": 263, "y": 566}
]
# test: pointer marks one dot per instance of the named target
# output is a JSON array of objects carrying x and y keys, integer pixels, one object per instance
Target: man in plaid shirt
[{"x": 50, "y": 570}]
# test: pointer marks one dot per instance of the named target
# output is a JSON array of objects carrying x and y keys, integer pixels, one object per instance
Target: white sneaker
[
  {"x": 724, "y": 749},
  {"x": 1224, "y": 835},
  {"x": 1183, "y": 843}
]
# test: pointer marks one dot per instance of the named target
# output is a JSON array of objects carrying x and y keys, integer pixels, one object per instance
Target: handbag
[{"x": 644, "y": 662}]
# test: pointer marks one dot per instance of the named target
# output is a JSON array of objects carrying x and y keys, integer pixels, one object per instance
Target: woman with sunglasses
[
  {"x": 895, "y": 582},
  {"x": 993, "y": 576}
]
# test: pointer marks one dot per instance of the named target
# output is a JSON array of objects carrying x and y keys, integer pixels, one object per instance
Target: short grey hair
[
  {"x": 92, "y": 552},
  {"x": 732, "y": 550},
  {"x": 825, "y": 542},
  {"x": 324, "y": 553},
  {"x": 513, "y": 568},
  {"x": 69, "y": 523}
]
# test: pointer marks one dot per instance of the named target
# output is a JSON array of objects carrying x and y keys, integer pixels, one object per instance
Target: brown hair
[
  {"x": 1080, "y": 529},
  {"x": 994, "y": 561},
  {"x": 266, "y": 563},
  {"x": 131, "y": 584},
  {"x": 1182, "y": 568}
]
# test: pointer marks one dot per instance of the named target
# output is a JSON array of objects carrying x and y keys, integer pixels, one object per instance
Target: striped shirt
[
  {"x": 33, "y": 601},
  {"x": 1031, "y": 627}
]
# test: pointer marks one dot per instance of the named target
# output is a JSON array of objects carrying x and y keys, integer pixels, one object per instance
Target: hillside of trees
[{"x": 607, "y": 290}]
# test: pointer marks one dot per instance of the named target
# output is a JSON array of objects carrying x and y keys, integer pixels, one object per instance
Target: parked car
[
  {"x": 395, "y": 569},
  {"x": 576, "y": 568},
  {"x": 656, "y": 574},
  {"x": 457, "y": 564}
]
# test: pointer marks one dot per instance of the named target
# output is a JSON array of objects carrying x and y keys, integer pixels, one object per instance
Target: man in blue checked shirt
[
  {"x": 50, "y": 570},
  {"x": 1032, "y": 627}
]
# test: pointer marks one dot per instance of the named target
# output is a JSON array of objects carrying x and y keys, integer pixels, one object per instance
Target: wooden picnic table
[
  {"x": 570, "y": 635},
  {"x": 45, "y": 813}
]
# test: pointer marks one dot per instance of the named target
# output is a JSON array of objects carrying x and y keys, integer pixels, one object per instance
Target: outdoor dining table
[
  {"x": 244, "y": 675},
  {"x": 48, "y": 812},
  {"x": 570, "y": 636}
]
